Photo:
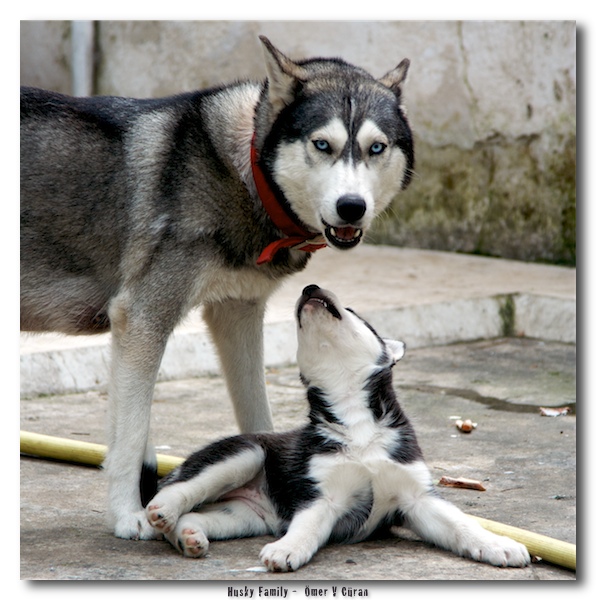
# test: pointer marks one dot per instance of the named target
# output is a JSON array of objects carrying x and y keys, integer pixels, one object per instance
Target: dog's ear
[
  {"x": 396, "y": 77},
  {"x": 282, "y": 73},
  {"x": 396, "y": 349}
]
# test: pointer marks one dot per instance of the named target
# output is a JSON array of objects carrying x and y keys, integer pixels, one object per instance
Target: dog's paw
[
  {"x": 499, "y": 551},
  {"x": 161, "y": 516},
  {"x": 192, "y": 542},
  {"x": 135, "y": 526},
  {"x": 280, "y": 556}
]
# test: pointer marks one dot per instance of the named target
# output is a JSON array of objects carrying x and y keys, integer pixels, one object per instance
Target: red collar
[{"x": 297, "y": 236}]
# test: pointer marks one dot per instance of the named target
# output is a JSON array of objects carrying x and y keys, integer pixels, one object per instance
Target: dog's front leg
[
  {"x": 309, "y": 530},
  {"x": 443, "y": 524},
  {"x": 237, "y": 330},
  {"x": 136, "y": 354}
]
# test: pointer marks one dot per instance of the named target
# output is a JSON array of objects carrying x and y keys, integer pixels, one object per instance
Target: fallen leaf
[{"x": 462, "y": 482}]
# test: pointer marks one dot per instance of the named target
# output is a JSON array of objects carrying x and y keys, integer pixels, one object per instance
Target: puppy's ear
[
  {"x": 396, "y": 349},
  {"x": 283, "y": 75}
]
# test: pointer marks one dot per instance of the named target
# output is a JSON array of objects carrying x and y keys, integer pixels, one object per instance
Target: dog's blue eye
[
  {"x": 377, "y": 148},
  {"x": 322, "y": 145}
]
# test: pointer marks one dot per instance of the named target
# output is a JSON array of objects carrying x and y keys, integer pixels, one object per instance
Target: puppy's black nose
[
  {"x": 309, "y": 289},
  {"x": 351, "y": 207}
]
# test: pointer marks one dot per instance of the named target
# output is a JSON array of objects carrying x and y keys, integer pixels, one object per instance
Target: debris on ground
[
  {"x": 554, "y": 412},
  {"x": 462, "y": 482},
  {"x": 466, "y": 425}
]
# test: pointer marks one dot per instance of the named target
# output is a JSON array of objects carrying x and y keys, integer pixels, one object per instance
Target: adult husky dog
[
  {"x": 354, "y": 470},
  {"x": 135, "y": 211}
]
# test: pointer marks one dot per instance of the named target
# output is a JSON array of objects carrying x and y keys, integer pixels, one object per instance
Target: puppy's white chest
[
  {"x": 365, "y": 442},
  {"x": 362, "y": 458}
]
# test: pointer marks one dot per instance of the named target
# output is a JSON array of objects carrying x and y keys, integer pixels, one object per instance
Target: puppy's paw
[
  {"x": 281, "y": 557},
  {"x": 191, "y": 541},
  {"x": 161, "y": 516},
  {"x": 499, "y": 551}
]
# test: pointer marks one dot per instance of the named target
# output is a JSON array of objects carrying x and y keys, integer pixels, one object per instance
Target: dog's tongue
[{"x": 345, "y": 233}]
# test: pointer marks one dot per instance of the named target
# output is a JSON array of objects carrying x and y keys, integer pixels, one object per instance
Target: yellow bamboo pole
[
  {"x": 75, "y": 451},
  {"x": 549, "y": 549}
]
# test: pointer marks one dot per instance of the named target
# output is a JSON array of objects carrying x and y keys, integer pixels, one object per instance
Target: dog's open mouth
[
  {"x": 314, "y": 295},
  {"x": 343, "y": 237}
]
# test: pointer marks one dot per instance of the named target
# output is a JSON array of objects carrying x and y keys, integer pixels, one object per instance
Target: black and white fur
[
  {"x": 135, "y": 211},
  {"x": 354, "y": 470}
]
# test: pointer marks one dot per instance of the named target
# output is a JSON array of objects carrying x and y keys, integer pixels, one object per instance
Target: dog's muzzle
[
  {"x": 343, "y": 237},
  {"x": 314, "y": 295},
  {"x": 350, "y": 209}
]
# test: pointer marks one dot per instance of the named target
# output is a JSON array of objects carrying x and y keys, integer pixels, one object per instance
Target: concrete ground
[{"x": 451, "y": 310}]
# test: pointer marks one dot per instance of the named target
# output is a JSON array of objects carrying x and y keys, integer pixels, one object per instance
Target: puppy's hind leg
[
  {"x": 205, "y": 477},
  {"x": 224, "y": 520},
  {"x": 188, "y": 536},
  {"x": 237, "y": 330}
]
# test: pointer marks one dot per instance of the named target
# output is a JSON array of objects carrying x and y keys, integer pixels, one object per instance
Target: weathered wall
[{"x": 492, "y": 105}]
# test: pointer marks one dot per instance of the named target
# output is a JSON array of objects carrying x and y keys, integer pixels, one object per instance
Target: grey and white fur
[
  {"x": 135, "y": 211},
  {"x": 354, "y": 470}
]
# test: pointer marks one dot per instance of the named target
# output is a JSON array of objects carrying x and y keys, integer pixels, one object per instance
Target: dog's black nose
[
  {"x": 309, "y": 289},
  {"x": 351, "y": 207}
]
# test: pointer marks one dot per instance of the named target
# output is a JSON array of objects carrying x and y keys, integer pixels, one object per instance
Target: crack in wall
[{"x": 465, "y": 79}]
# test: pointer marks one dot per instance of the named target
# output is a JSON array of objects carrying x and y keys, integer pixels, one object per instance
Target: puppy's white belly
[{"x": 253, "y": 495}]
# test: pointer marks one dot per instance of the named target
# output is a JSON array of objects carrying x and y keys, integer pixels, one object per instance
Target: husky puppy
[
  {"x": 135, "y": 211},
  {"x": 354, "y": 470}
]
